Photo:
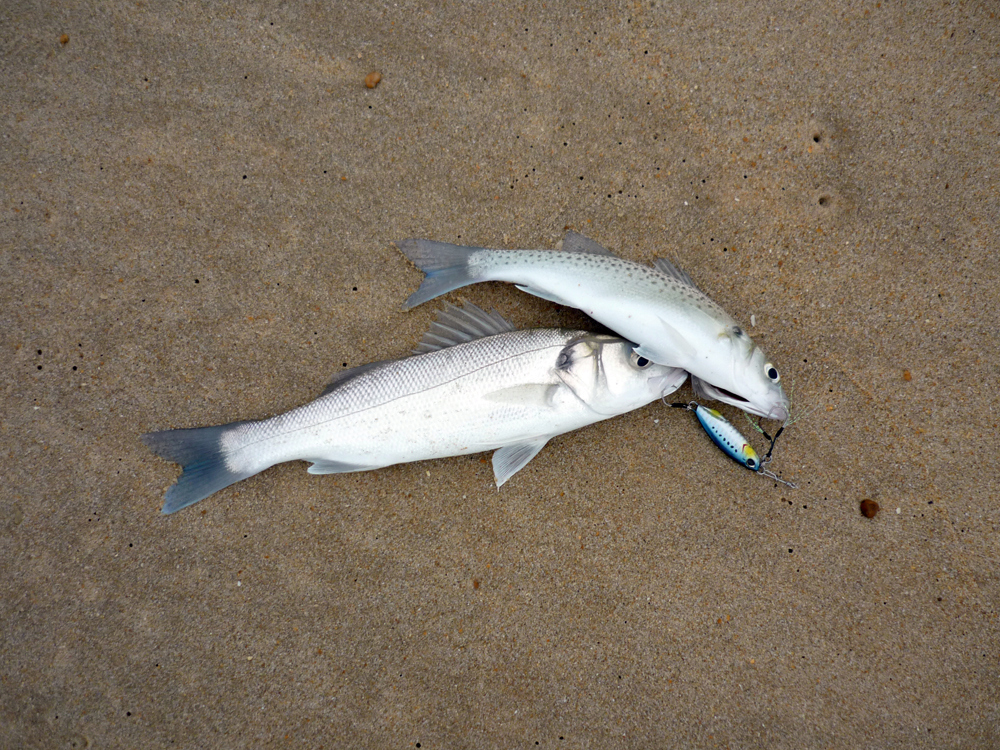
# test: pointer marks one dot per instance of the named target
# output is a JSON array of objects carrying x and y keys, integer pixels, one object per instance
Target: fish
[
  {"x": 660, "y": 308},
  {"x": 474, "y": 384}
]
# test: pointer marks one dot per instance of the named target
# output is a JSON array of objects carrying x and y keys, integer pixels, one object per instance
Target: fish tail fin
[
  {"x": 446, "y": 265},
  {"x": 202, "y": 456}
]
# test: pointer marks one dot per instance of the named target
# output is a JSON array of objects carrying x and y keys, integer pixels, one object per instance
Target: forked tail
[
  {"x": 202, "y": 456},
  {"x": 446, "y": 267}
]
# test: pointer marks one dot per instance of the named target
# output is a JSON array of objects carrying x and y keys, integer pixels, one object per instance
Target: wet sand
[{"x": 197, "y": 228}]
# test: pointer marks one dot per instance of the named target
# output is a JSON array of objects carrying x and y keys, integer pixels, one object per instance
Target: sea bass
[
  {"x": 673, "y": 322},
  {"x": 475, "y": 384}
]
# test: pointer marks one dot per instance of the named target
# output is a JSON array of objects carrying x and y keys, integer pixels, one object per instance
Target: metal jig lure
[{"x": 732, "y": 442}]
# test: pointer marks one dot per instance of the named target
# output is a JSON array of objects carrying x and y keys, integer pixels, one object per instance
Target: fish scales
[
  {"x": 437, "y": 378},
  {"x": 645, "y": 282}
]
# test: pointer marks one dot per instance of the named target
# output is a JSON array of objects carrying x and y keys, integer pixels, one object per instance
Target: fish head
[
  {"x": 610, "y": 377},
  {"x": 737, "y": 372}
]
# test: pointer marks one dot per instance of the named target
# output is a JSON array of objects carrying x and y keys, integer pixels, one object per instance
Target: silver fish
[
  {"x": 475, "y": 384},
  {"x": 674, "y": 323}
]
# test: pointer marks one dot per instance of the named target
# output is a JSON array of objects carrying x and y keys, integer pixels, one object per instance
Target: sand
[{"x": 196, "y": 227}]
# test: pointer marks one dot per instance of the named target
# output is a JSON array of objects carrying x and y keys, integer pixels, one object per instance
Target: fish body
[
  {"x": 659, "y": 308},
  {"x": 474, "y": 385}
]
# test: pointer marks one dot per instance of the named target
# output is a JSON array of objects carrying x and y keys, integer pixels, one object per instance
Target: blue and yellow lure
[{"x": 732, "y": 442}]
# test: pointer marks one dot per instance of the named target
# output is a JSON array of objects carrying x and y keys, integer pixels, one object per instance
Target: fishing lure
[{"x": 732, "y": 442}]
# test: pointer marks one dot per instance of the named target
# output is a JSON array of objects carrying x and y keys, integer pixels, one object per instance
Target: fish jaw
[
  {"x": 777, "y": 409},
  {"x": 780, "y": 412},
  {"x": 665, "y": 384}
]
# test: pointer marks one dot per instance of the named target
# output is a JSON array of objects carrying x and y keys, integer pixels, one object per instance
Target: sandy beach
[{"x": 197, "y": 228}]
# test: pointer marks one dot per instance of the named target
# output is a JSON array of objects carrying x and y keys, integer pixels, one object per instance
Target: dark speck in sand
[{"x": 869, "y": 508}]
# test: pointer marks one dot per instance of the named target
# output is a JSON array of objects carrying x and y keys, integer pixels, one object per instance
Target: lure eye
[
  {"x": 751, "y": 464},
  {"x": 771, "y": 372},
  {"x": 737, "y": 331}
]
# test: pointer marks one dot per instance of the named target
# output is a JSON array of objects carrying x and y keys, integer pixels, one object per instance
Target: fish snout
[{"x": 778, "y": 413}]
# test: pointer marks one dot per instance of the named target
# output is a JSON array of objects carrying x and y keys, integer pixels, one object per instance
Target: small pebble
[
  {"x": 372, "y": 79},
  {"x": 869, "y": 508},
  {"x": 906, "y": 376},
  {"x": 64, "y": 39}
]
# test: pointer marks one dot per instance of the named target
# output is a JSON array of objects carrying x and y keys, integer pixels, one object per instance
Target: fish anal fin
[
  {"x": 326, "y": 466},
  {"x": 546, "y": 295}
]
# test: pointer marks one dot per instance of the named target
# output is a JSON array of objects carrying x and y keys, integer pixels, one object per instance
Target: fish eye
[
  {"x": 771, "y": 372},
  {"x": 737, "y": 331},
  {"x": 751, "y": 464},
  {"x": 640, "y": 362}
]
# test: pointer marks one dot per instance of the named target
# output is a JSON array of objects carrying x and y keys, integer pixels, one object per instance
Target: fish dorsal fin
[
  {"x": 665, "y": 266},
  {"x": 454, "y": 325},
  {"x": 457, "y": 325},
  {"x": 344, "y": 375},
  {"x": 574, "y": 242}
]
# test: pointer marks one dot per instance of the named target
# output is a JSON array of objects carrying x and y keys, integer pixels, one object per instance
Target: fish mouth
[
  {"x": 778, "y": 412},
  {"x": 669, "y": 382}
]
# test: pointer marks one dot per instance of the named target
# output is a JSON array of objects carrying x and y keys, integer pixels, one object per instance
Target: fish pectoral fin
[
  {"x": 510, "y": 459},
  {"x": 324, "y": 466},
  {"x": 544, "y": 295},
  {"x": 528, "y": 394},
  {"x": 670, "y": 347}
]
